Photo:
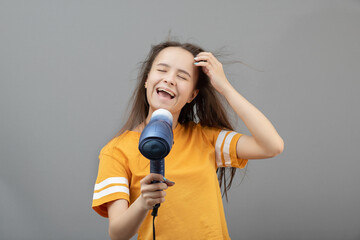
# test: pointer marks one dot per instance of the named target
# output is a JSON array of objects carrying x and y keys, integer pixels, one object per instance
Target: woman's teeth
[{"x": 172, "y": 95}]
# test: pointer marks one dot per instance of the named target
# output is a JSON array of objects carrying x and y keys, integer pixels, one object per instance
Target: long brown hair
[{"x": 206, "y": 108}]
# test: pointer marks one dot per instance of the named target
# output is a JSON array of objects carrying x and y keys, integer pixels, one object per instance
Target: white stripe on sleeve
[
  {"x": 110, "y": 190},
  {"x": 112, "y": 180},
  {"x": 226, "y": 149},
  {"x": 218, "y": 144}
]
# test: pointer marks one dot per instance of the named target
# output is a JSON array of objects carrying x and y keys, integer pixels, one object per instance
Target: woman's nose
[{"x": 170, "y": 80}]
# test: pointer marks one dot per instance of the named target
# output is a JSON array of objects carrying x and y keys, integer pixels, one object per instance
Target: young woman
[{"x": 183, "y": 79}]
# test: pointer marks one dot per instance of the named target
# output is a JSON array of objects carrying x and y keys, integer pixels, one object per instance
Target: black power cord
[{"x": 154, "y": 214}]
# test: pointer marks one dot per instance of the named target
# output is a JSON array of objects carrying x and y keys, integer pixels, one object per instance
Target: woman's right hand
[{"x": 152, "y": 193}]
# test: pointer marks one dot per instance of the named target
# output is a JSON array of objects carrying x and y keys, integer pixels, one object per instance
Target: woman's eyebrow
[{"x": 180, "y": 70}]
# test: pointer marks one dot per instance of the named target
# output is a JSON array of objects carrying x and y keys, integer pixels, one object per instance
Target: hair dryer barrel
[{"x": 157, "y": 137}]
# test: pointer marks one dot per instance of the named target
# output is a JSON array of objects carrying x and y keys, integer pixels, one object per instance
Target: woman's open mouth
[{"x": 165, "y": 93}]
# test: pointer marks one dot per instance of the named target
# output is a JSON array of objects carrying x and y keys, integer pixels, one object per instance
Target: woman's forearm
[
  {"x": 126, "y": 225},
  {"x": 259, "y": 126},
  {"x": 124, "y": 222}
]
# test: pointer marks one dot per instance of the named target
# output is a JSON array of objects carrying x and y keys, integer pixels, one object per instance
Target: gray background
[{"x": 68, "y": 68}]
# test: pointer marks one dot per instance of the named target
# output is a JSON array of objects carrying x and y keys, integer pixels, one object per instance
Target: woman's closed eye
[
  {"x": 182, "y": 77},
  {"x": 161, "y": 70}
]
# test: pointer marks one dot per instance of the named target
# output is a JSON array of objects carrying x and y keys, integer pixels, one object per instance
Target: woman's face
[{"x": 171, "y": 81}]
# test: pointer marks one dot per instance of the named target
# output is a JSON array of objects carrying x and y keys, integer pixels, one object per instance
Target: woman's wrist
[
  {"x": 140, "y": 204},
  {"x": 227, "y": 91}
]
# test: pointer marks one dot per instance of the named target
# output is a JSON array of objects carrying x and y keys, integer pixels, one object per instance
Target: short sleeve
[
  {"x": 225, "y": 150},
  {"x": 225, "y": 142},
  {"x": 112, "y": 182}
]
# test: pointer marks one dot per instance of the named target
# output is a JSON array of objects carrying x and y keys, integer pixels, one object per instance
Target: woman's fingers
[
  {"x": 207, "y": 61},
  {"x": 154, "y": 187},
  {"x": 151, "y": 177},
  {"x": 207, "y": 57},
  {"x": 168, "y": 182},
  {"x": 152, "y": 193},
  {"x": 155, "y": 195},
  {"x": 213, "y": 69},
  {"x": 156, "y": 177}
]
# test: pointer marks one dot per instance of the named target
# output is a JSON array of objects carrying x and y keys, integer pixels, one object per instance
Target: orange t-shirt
[{"x": 193, "y": 207}]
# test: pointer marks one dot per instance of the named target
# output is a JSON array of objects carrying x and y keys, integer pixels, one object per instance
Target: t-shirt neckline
[{"x": 175, "y": 131}]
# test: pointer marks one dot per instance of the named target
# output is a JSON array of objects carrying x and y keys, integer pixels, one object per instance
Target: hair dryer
[{"x": 156, "y": 141}]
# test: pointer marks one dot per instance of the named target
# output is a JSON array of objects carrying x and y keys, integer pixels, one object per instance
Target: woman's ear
[
  {"x": 145, "y": 84},
  {"x": 193, "y": 95}
]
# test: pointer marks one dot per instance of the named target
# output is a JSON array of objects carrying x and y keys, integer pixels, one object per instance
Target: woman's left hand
[{"x": 213, "y": 69}]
